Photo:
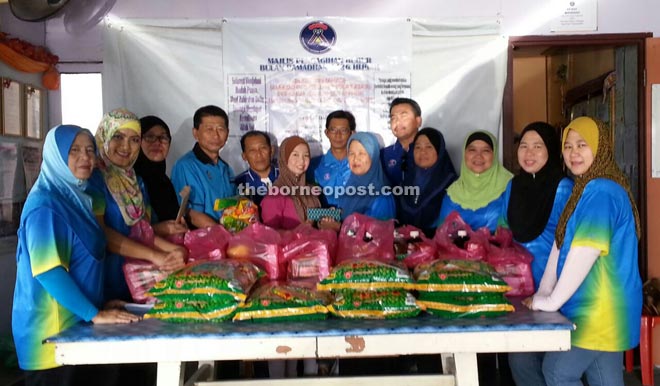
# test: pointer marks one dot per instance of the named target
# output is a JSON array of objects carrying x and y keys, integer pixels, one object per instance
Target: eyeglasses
[
  {"x": 336, "y": 130},
  {"x": 154, "y": 138}
]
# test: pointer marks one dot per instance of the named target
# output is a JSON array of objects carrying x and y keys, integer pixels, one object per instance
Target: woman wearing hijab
[
  {"x": 118, "y": 141},
  {"x": 432, "y": 174},
  {"x": 151, "y": 167},
  {"x": 592, "y": 276},
  {"x": 288, "y": 208},
  {"x": 535, "y": 198},
  {"x": 367, "y": 178},
  {"x": 61, "y": 247},
  {"x": 477, "y": 195}
]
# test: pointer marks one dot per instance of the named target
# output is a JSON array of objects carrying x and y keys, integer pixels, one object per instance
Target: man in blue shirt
[
  {"x": 261, "y": 173},
  {"x": 209, "y": 177},
  {"x": 405, "y": 121},
  {"x": 331, "y": 169}
]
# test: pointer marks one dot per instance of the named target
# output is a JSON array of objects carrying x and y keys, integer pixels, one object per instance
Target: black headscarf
[
  {"x": 533, "y": 195},
  {"x": 422, "y": 210},
  {"x": 161, "y": 191}
]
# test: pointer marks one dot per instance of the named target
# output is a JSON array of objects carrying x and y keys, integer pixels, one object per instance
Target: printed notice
[
  {"x": 575, "y": 15},
  {"x": 246, "y": 101}
]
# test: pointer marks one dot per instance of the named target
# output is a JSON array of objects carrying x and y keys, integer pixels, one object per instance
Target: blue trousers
[{"x": 566, "y": 368}]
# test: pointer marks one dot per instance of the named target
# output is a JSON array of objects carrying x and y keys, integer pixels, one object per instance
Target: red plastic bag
[
  {"x": 512, "y": 261},
  {"x": 456, "y": 240},
  {"x": 207, "y": 243},
  {"x": 413, "y": 247},
  {"x": 260, "y": 245},
  {"x": 364, "y": 237}
]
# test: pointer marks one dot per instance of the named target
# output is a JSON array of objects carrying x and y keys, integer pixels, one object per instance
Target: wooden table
[{"x": 459, "y": 341}]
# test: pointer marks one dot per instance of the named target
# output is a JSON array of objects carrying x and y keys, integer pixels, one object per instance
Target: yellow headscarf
[
  {"x": 122, "y": 183},
  {"x": 597, "y": 136}
]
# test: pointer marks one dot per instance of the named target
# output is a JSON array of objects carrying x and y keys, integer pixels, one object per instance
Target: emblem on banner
[{"x": 317, "y": 37}]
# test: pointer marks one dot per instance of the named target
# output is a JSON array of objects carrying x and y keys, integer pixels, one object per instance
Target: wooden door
[{"x": 652, "y": 201}]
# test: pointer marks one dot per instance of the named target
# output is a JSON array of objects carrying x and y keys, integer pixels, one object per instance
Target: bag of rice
[
  {"x": 458, "y": 276},
  {"x": 367, "y": 275},
  {"x": 276, "y": 301},
  {"x": 381, "y": 304},
  {"x": 222, "y": 279},
  {"x": 464, "y": 305},
  {"x": 185, "y": 310}
]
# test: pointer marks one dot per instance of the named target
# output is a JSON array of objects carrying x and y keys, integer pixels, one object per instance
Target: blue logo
[{"x": 317, "y": 37}]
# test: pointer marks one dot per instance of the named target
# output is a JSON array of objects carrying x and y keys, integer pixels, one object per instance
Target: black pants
[{"x": 58, "y": 376}]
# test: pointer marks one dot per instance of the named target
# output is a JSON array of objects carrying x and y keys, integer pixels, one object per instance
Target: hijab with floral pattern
[{"x": 122, "y": 183}]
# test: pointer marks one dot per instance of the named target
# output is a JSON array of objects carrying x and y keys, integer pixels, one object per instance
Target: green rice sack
[
  {"x": 192, "y": 310},
  {"x": 367, "y": 275},
  {"x": 275, "y": 301},
  {"x": 458, "y": 276},
  {"x": 464, "y": 305},
  {"x": 378, "y": 304},
  {"x": 225, "y": 280}
]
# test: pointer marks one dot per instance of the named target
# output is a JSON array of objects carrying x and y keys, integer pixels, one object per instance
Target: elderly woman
[
  {"x": 535, "y": 198},
  {"x": 126, "y": 202},
  {"x": 592, "y": 276},
  {"x": 61, "y": 247},
  {"x": 151, "y": 167},
  {"x": 364, "y": 188},
  {"x": 432, "y": 174},
  {"x": 477, "y": 195}
]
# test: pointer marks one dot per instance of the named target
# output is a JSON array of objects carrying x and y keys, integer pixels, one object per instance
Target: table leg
[
  {"x": 169, "y": 374},
  {"x": 467, "y": 373}
]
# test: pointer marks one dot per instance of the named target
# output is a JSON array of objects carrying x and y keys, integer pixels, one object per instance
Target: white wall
[
  {"x": 81, "y": 50},
  {"x": 518, "y": 17}
]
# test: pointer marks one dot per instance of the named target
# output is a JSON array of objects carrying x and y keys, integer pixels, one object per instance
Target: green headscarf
[{"x": 473, "y": 191}]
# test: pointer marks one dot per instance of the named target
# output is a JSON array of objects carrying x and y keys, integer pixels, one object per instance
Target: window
[{"x": 82, "y": 100}]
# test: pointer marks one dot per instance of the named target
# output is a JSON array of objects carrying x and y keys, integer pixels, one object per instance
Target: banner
[{"x": 285, "y": 76}]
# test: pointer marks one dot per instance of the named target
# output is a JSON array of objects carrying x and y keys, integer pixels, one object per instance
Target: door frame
[{"x": 595, "y": 40}]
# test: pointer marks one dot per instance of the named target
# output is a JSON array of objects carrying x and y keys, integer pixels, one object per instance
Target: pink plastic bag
[
  {"x": 207, "y": 243},
  {"x": 512, "y": 261},
  {"x": 413, "y": 247},
  {"x": 177, "y": 238},
  {"x": 141, "y": 275},
  {"x": 364, "y": 237},
  {"x": 306, "y": 231},
  {"x": 305, "y": 259},
  {"x": 260, "y": 245},
  {"x": 451, "y": 245},
  {"x": 143, "y": 233}
]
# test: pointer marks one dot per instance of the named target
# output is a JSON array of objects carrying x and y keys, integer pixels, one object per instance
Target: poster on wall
[
  {"x": 285, "y": 76},
  {"x": 11, "y": 108},
  {"x": 33, "y": 112},
  {"x": 575, "y": 15},
  {"x": 31, "y": 165},
  {"x": 8, "y": 163}
]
